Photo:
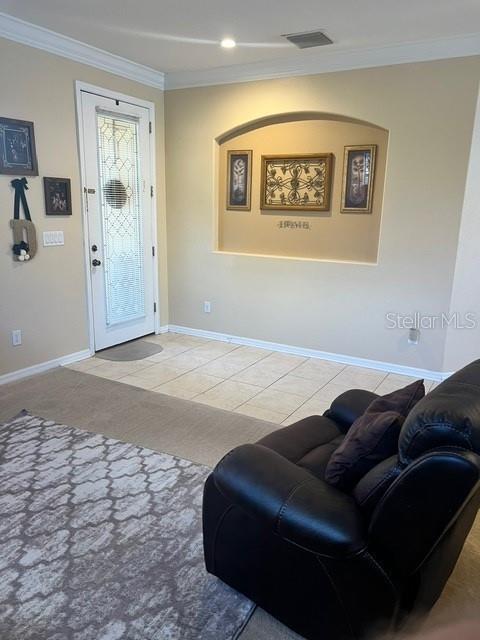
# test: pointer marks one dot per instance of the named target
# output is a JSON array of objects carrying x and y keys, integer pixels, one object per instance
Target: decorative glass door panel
[
  {"x": 121, "y": 218},
  {"x": 117, "y": 169}
]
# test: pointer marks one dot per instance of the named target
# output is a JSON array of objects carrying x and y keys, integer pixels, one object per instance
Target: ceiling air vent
[{"x": 308, "y": 39}]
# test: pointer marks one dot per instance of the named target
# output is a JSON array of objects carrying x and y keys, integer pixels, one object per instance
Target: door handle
[{"x": 96, "y": 263}]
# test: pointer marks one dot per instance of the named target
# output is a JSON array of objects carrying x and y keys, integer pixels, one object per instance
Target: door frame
[{"x": 85, "y": 87}]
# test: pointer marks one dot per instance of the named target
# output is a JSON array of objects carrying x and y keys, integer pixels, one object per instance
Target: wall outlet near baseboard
[
  {"x": 207, "y": 307},
  {"x": 16, "y": 337},
  {"x": 413, "y": 336}
]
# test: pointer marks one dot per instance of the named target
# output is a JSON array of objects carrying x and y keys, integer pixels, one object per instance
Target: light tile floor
[{"x": 273, "y": 386}]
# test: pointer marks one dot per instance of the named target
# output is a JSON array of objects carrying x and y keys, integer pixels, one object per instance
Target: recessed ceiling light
[{"x": 228, "y": 43}]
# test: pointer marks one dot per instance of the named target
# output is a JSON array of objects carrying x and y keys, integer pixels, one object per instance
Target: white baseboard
[
  {"x": 390, "y": 367},
  {"x": 162, "y": 329},
  {"x": 56, "y": 362},
  {"x": 250, "y": 342},
  {"x": 44, "y": 366}
]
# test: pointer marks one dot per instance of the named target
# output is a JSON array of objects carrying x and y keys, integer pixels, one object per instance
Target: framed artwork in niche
[
  {"x": 58, "y": 197},
  {"x": 296, "y": 182},
  {"x": 239, "y": 180},
  {"x": 18, "y": 156},
  {"x": 358, "y": 176}
]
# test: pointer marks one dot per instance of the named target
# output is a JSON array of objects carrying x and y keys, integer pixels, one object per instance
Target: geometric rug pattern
[{"x": 101, "y": 540}]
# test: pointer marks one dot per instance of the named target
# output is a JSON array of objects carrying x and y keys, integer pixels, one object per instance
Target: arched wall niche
[
  {"x": 326, "y": 235},
  {"x": 290, "y": 116}
]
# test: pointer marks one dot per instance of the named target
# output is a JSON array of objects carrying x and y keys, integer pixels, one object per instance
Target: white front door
[{"x": 118, "y": 202}]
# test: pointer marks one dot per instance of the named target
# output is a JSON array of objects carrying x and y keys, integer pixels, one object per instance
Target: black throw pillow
[{"x": 373, "y": 437}]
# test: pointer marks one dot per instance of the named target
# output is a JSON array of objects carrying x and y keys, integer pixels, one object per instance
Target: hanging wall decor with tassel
[{"x": 24, "y": 234}]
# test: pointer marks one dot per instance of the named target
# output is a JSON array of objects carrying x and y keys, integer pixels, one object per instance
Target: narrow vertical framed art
[
  {"x": 239, "y": 180},
  {"x": 358, "y": 177}
]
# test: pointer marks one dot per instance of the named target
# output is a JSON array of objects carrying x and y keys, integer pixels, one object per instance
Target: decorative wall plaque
[{"x": 296, "y": 182}]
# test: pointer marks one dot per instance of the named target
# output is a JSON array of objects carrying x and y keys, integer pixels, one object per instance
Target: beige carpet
[
  {"x": 164, "y": 423},
  {"x": 201, "y": 434}
]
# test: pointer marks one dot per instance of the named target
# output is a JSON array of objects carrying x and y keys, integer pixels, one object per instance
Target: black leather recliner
[{"x": 334, "y": 566}]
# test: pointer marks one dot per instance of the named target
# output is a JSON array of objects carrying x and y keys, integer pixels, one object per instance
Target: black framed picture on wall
[
  {"x": 18, "y": 156},
  {"x": 239, "y": 180},
  {"x": 58, "y": 197},
  {"x": 358, "y": 176}
]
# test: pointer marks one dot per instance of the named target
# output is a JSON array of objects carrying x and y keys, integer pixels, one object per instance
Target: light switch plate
[{"x": 53, "y": 238}]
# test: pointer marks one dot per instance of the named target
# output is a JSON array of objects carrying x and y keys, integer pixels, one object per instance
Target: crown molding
[
  {"x": 327, "y": 61},
  {"x": 60, "y": 45},
  {"x": 307, "y": 63}
]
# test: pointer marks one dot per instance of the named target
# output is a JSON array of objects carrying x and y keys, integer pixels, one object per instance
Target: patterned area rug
[{"x": 101, "y": 540}]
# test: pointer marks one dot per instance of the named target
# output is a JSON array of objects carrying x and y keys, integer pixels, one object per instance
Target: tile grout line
[
  {"x": 268, "y": 387},
  {"x": 286, "y": 374},
  {"x": 155, "y": 389},
  {"x": 381, "y": 381},
  {"x": 229, "y": 378},
  {"x": 291, "y": 372},
  {"x": 261, "y": 389},
  {"x": 223, "y": 379},
  {"x": 241, "y": 371},
  {"x": 185, "y": 372},
  {"x": 319, "y": 389},
  {"x": 234, "y": 374},
  {"x": 331, "y": 381}
]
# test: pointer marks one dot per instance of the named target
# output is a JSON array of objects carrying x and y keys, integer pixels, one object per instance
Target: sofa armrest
[
  {"x": 290, "y": 501},
  {"x": 349, "y": 406}
]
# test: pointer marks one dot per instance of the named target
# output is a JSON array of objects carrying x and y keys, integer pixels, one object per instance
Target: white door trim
[{"x": 115, "y": 95}]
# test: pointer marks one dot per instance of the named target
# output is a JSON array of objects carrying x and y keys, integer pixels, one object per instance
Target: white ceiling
[{"x": 183, "y": 35}]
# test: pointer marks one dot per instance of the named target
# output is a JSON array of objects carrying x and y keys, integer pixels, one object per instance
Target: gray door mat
[{"x": 134, "y": 350}]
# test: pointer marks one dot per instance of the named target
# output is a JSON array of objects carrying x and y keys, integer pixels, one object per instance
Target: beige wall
[
  {"x": 46, "y": 297},
  {"x": 463, "y": 339},
  {"x": 428, "y": 109},
  {"x": 332, "y": 235}
]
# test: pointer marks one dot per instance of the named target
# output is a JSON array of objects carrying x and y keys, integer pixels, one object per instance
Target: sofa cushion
[
  {"x": 309, "y": 443},
  {"x": 373, "y": 437}
]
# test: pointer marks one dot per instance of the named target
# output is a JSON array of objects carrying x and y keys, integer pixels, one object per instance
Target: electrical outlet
[
  {"x": 207, "y": 306},
  {"x": 16, "y": 337},
  {"x": 413, "y": 336}
]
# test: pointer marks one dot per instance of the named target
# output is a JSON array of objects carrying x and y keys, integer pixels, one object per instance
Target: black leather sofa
[{"x": 334, "y": 566}]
